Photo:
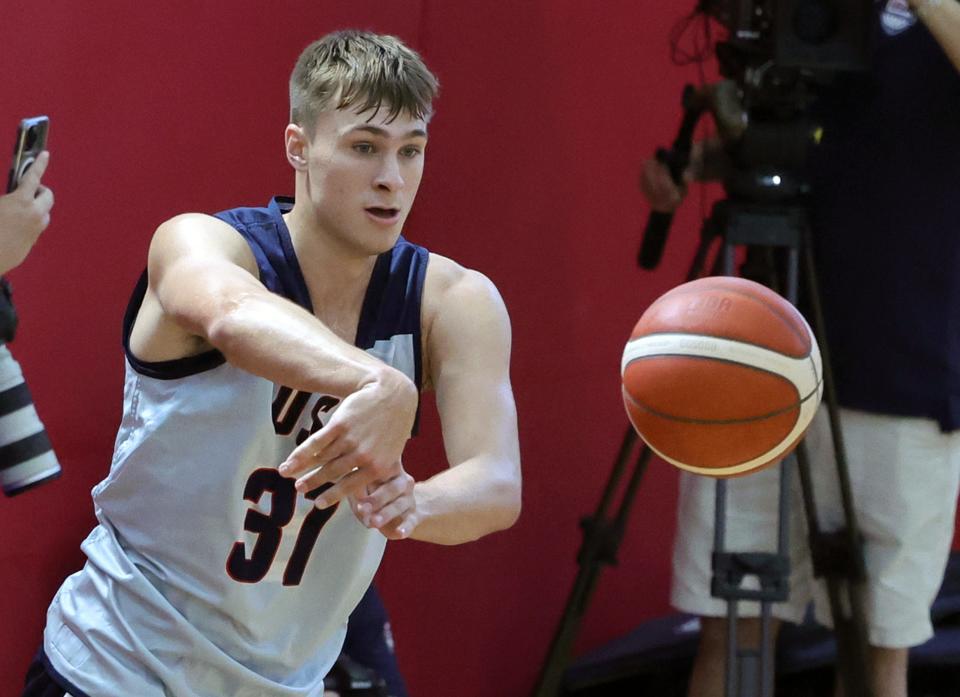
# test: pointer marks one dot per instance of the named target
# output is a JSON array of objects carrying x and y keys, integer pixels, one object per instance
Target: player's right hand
[{"x": 361, "y": 444}]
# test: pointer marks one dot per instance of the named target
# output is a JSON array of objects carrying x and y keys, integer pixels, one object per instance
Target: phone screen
[{"x": 31, "y": 141}]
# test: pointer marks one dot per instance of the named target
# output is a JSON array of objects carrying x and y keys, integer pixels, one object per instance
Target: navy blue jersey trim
[
  {"x": 268, "y": 237},
  {"x": 163, "y": 370},
  {"x": 421, "y": 272},
  {"x": 366, "y": 335},
  {"x": 384, "y": 299},
  {"x": 59, "y": 679},
  {"x": 278, "y": 206}
]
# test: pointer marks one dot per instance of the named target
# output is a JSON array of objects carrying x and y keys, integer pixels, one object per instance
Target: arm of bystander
[{"x": 24, "y": 214}]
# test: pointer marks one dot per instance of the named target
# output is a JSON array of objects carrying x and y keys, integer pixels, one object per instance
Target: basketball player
[
  {"x": 274, "y": 357},
  {"x": 886, "y": 242}
]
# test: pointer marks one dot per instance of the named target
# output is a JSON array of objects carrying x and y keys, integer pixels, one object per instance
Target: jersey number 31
[{"x": 269, "y": 526}]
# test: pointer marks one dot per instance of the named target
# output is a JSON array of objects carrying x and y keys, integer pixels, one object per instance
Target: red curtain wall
[{"x": 547, "y": 109}]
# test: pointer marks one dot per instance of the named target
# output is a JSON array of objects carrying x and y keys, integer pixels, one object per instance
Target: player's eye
[{"x": 363, "y": 148}]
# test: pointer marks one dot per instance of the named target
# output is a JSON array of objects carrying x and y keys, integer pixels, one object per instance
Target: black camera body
[
  {"x": 809, "y": 35},
  {"x": 777, "y": 57},
  {"x": 780, "y": 54}
]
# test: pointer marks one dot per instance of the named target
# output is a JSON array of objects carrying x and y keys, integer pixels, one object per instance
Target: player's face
[{"x": 362, "y": 173}]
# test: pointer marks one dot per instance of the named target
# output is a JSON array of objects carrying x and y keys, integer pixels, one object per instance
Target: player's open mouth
[{"x": 383, "y": 213}]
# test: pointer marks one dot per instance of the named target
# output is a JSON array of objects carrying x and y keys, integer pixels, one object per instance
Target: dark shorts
[
  {"x": 370, "y": 643},
  {"x": 42, "y": 681}
]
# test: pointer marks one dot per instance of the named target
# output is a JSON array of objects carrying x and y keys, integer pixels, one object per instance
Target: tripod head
[
  {"x": 775, "y": 58},
  {"x": 809, "y": 36}
]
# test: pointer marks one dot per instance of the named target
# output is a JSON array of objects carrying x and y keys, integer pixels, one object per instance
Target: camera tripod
[{"x": 778, "y": 249}]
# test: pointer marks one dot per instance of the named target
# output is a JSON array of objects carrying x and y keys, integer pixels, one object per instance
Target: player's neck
[
  {"x": 323, "y": 248},
  {"x": 336, "y": 274}
]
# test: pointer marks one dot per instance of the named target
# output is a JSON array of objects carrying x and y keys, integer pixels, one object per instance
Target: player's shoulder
[
  {"x": 448, "y": 280},
  {"x": 197, "y": 226},
  {"x": 462, "y": 312},
  {"x": 202, "y": 234},
  {"x": 454, "y": 294}
]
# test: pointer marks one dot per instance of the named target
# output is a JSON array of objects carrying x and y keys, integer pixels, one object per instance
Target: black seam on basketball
[
  {"x": 680, "y": 290},
  {"x": 808, "y": 354},
  {"x": 817, "y": 383},
  {"x": 719, "y": 422},
  {"x": 817, "y": 374},
  {"x": 710, "y": 422}
]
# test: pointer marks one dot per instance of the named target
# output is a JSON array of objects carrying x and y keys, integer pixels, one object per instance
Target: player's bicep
[
  {"x": 469, "y": 346},
  {"x": 197, "y": 267}
]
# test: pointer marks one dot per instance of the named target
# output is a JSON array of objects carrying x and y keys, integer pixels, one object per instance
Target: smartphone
[{"x": 31, "y": 141}]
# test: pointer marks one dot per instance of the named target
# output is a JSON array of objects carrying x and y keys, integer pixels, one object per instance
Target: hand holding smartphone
[{"x": 25, "y": 208}]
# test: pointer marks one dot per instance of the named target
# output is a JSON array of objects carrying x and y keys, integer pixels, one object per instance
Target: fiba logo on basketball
[
  {"x": 721, "y": 376},
  {"x": 709, "y": 304}
]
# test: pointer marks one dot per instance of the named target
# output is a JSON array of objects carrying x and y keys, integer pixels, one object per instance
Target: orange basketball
[{"x": 721, "y": 376}]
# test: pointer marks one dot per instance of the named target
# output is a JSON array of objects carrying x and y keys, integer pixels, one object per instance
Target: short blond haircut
[{"x": 361, "y": 71}]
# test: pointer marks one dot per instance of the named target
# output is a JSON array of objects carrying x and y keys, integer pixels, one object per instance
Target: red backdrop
[{"x": 547, "y": 109}]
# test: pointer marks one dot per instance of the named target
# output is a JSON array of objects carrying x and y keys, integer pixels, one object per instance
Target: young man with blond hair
[{"x": 274, "y": 362}]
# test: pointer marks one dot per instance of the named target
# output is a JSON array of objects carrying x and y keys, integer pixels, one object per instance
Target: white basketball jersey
[{"x": 208, "y": 574}]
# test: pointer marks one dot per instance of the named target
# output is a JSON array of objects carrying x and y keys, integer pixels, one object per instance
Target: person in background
[{"x": 886, "y": 231}]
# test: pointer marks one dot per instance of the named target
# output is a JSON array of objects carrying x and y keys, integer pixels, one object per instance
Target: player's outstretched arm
[
  {"x": 204, "y": 292},
  {"x": 468, "y": 363}
]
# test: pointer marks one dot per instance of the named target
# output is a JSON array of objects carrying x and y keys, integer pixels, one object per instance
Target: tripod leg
[
  {"x": 845, "y": 593},
  {"x": 845, "y": 580},
  {"x": 601, "y": 539},
  {"x": 734, "y": 672}
]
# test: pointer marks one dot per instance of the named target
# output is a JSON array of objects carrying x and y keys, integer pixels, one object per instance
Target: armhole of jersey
[
  {"x": 163, "y": 370},
  {"x": 418, "y": 330},
  {"x": 424, "y": 260}
]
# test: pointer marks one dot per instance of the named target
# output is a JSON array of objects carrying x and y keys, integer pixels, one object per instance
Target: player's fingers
[
  {"x": 326, "y": 473},
  {"x": 349, "y": 485},
  {"x": 350, "y": 461},
  {"x": 391, "y": 512},
  {"x": 315, "y": 451},
  {"x": 30, "y": 181},
  {"x": 384, "y": 493},
  {"x": 402, "y": 526}
]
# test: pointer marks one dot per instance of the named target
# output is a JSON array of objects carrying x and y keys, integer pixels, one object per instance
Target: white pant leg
[
  {"x": 904, "y": 475},
  {"x": 751, "y": 526}
]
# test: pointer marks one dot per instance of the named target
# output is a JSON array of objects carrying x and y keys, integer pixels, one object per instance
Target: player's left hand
[{"x": 388, "y": 506}]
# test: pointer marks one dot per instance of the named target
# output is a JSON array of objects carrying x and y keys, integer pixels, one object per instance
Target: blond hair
[{"x": 361, "y": 71}]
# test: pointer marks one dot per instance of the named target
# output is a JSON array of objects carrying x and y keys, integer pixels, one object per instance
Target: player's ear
[{"x": 296, "y": 145}]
